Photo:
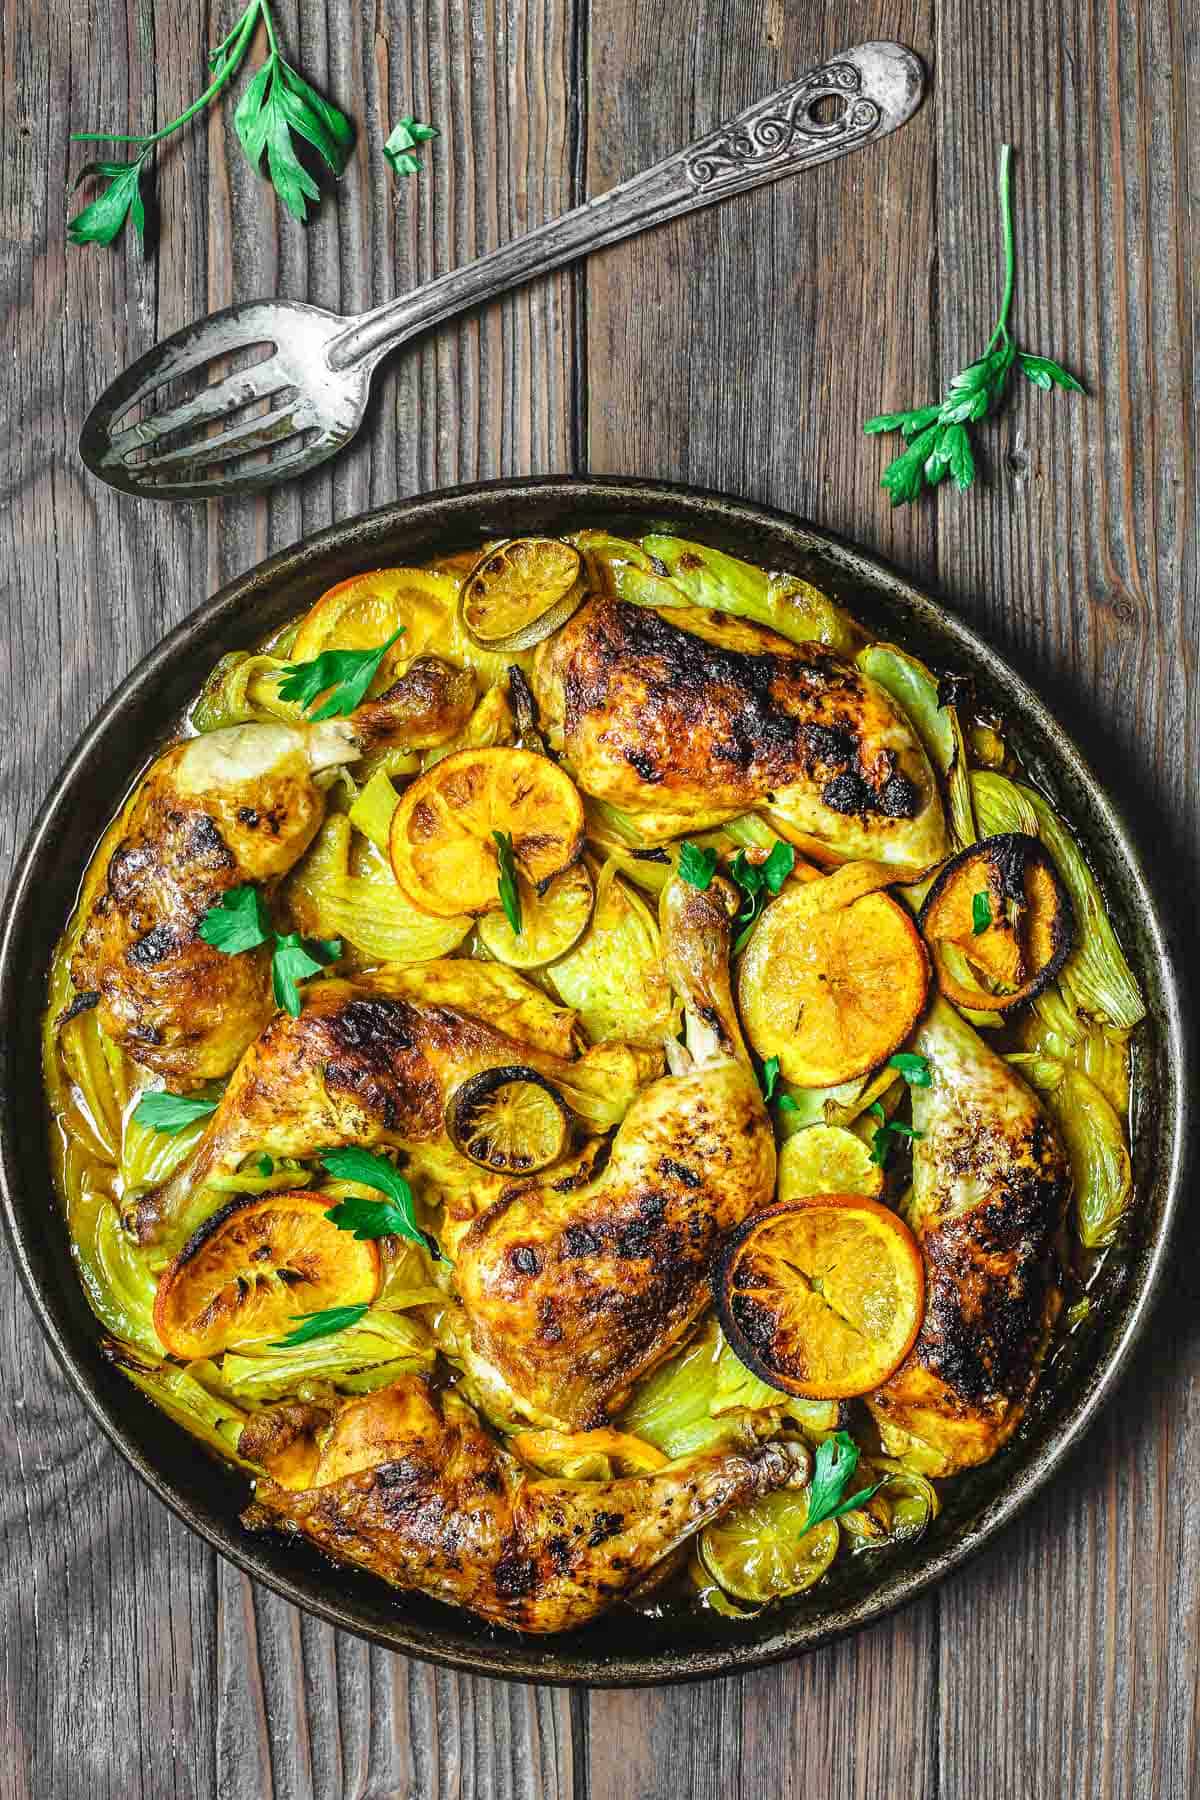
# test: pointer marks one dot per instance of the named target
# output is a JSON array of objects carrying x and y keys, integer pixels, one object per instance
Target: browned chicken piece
[
  {"x": 235, "y": 806},
  {"x": 411, "y": 1487},
  {"x": 685, "y": 725},
  {"x": 573, "y": 1291},
  {"x": 370, "y": 1062},
  {"x": 991, "y": 1183},
  {"x": 429, "y": 704}
]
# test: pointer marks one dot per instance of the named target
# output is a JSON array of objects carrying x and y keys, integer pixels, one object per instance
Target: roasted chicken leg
[
  {"x": 233, "y": 806},
  {"x": 685, "y": 725},
  {"x": 572, "y": 1291},
  {"x": 990, "y": 1185},
  {"x": 374, "y": 1062},
  {"x": 411, "y": 1487}
]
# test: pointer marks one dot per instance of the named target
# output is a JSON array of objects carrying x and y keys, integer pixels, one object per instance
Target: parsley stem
[
  {"x": 238, "y": 39},
  {"x": 268, "y": 21},
  {"x": 1006, "y": 220}
]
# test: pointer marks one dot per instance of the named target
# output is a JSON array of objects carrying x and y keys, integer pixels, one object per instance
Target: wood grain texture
[
  {"x": 133, "y": 1662},
  {"x": 740, "y": 349}
]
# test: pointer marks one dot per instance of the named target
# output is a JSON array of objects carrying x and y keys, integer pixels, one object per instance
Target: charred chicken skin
[
  {"x": 990, "y": 1187},
  {"x": 411, "y": 1487},
  {"x": 687, "y": 726},
  {"x": 218, "y": 811},
  {"x": 573, "y": 1290}
]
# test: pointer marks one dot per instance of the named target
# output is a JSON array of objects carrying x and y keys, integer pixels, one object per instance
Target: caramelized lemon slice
[
  {"x": 831, "y": 993},
  {"x": 442, "y": 844},
  {"x": 827, "y": 1159},
  {"x": 520, "y": 591},
  {"x": 509, "y": 1120},
  {"x": 761, "y": 1552},
  {"x": 253, "y": 1267},
  {"x": 1002, "y": 904},
  {"x": 551, "y": 923},
  {"x": 822, "y": 1297},
  {"x": 363, "y": 612}
]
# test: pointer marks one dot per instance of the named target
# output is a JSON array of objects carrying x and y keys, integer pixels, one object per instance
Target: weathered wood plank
[
  {"x": 1077, "y": 1637},
  {"x": 741, "y": 348},
  {"x": 132, "y": 1662}
]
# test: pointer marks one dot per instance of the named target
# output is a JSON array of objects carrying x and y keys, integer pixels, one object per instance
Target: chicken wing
[
  {"x": 573, "y": 1289},
  {"x": 685, "y": 725},
  {"x": 371, "y": 1062},
  {"x": 411, "y": 1487},
  {"x": 990, "y": 1186},
  {"x": 233, "y": 806}
]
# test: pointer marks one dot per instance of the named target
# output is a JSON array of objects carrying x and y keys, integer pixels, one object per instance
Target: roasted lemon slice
[
  {"x": 822, "y": 1297},
  {"x": 443, "y": 847},
  {"x": 1002, "y": 904},
  {"x": 761, "y": 1552},
  {"x": 551, "y": 923},
  {"x": 520, "y": 591},
  {"x": 509, "y": 1120},
  {"x": 827, "y": 1159},
  {"x": 253, "y": 1267},
  {"x": 363, "y": 612},
  {"x": 831, "y": 993}
]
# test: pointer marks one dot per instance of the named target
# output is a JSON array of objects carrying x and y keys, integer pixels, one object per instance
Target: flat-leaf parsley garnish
[
  {"x": 240, "y": 921},
  {"x": 169, "y": 1113},
  {"x": 403, "y": 147},
  {"x": 321, "y": 1324},
  {"x": 697, "y": 864},
  {"x": 343, "y": 676},
  {"x": 391, "y": 1217},
  {"x": 939, "y": 442},
  {"x": 506, "y": 880},
  {"x": 835, "y": 1463}
]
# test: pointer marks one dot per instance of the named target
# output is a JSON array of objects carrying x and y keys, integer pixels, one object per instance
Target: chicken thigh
[
  {"x": 218, "y": 811},
  {"x": 573, "y": 1290},
  {"x": 990, "y": 1185},
  {"x": 411, "y": 1487},
  {"x": 372, "y": 1062},
  {"x": 686, "y": 725}
]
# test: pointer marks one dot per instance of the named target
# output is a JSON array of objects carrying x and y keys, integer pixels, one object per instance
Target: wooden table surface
[{"x": 740, "y": 349}]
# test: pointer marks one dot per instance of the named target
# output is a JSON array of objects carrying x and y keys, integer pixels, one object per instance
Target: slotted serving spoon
[{"x": 316, "y": 368}]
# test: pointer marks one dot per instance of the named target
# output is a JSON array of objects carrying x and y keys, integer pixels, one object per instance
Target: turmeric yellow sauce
[{"x": 587, "y": 970}]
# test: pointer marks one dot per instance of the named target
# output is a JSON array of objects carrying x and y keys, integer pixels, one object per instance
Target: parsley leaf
[
  {"x": 169, "y": 1113},
  {"x": 291, "y": 963},
  {"x": 881, "y": 1141},
  {"x": 344, "y": 675},
  {"x": 835, "y": 1463},
  {"x": 914, "y": 1068},
  {"x": 506, "y": 883},
  {"x": 981, "y": 912},
  {"x": 278, "y": 103},
  {"x": 101, "y": 220},
  {"x": 239, "y": 921},
  {"x": 757, "y": 881},
  {"x": 402, "y": 147},
  {"x": 697, "y": 864},
  {"x": 392, "y": 1217},
  {"x": 321, "y": 1324},
  {"x": 939, "y": 443},
  {"x": 768, "y": 1081},
  {"x": 788, "y": 1103},
  {"x": 265, "y": 1164}
]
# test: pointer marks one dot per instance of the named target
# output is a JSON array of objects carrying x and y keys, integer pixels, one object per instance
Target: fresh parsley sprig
[
  {"x": 758, "y": 882},
  {"x": 169, "y": 1113},
  {"x": 939, "y": 442},
  {"x": 278, "y": 106},
  {"x": 342, "y": 675},
  {"x": 835, "y": 1463},
  {"x": 403, "y": 147},
  {"x": 506, "y": 881},
  {"x": 391, "y": 1217},
  {"x": 321, "y": 1324},
  {"x": 981, "y": 912},
  {"x": 239, "y": 921},
  {"x": 768, "y": 1080},
  {"x": 697, "y": 864},
  {"x": 881, "y": 1141},
  {"x": 913, "y": 1066}
]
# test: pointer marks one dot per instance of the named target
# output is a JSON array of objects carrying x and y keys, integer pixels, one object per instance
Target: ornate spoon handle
[{"x": 851, "y": 100}]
